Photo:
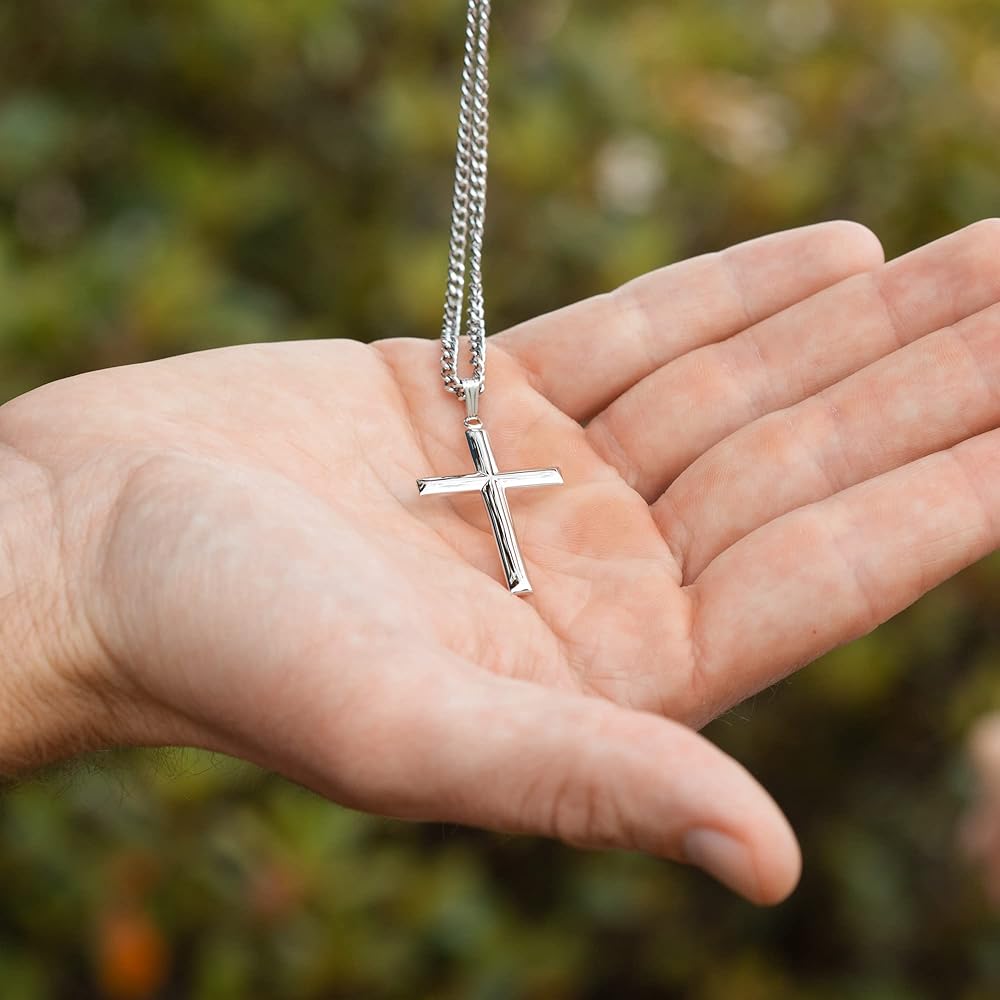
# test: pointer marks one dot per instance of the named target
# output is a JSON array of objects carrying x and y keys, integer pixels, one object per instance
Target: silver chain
[{"x": 465, "y": 258}]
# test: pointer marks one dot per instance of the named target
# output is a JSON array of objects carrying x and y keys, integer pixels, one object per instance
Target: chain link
[{"x": 465, "y": 258}]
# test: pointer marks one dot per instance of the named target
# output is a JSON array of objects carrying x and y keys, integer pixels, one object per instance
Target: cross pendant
[{"x": 493, "y": 485}]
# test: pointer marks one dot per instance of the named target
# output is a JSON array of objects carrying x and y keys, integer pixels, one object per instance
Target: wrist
[{"x": 49, "y": 707}]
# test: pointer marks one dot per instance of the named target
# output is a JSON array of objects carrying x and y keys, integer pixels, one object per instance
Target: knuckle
[
  {"x": 608, "y": 444},
  {"x": 777, "y": 438},
  {"x": 581, "y": 815},
  {"x": 579, "y": 807}
]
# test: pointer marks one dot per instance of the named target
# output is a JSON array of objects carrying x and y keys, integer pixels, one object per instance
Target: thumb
[{"x": 454, "y": 743}]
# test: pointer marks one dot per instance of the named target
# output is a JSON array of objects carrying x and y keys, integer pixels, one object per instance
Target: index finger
[{"x": 584, "y": 356}]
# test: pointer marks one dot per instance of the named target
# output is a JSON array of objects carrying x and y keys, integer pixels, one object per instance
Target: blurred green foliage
[{"x": 185, "y": 174}]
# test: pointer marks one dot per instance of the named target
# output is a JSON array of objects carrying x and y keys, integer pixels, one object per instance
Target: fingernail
[{"x": 724, "y": 858}]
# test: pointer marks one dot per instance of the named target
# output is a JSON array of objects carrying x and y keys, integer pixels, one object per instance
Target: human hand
[
  {"x": 979, "y": 831},
  {"x": 762, "y": 460}
]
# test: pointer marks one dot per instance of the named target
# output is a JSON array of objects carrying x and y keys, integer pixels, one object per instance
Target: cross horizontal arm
[
  {"x": 445, "y": 485},
  {"x": 531, "y": 477}
]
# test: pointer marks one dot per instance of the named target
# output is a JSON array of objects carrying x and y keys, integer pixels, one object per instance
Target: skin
[
  {"x": 979, "y": 831},
  {"x": 767, "y": 452}
]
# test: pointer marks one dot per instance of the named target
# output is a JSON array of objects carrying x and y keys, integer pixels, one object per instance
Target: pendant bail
[{"x": 471, "y": 388}]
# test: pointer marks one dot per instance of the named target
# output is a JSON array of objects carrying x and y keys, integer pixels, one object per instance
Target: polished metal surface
[
  {"x": 493, "y": 485},
  {"x": 465, "y": 257}
]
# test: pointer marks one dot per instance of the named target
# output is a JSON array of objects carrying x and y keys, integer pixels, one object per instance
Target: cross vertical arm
[{"x": 511, "y": 559}]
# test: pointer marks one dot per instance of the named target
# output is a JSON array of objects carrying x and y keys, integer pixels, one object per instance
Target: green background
[{"x": 179, "y": 174}]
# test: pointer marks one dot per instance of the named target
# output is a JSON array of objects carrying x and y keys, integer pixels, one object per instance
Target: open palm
[{"x": 766, "y": 452}]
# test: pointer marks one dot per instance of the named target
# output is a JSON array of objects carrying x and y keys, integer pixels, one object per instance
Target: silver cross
[{"x": 493, "y": 484}]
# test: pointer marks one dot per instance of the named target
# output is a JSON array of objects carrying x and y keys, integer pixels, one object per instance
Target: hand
[
  {"x": 767, "y": 452},
  {"x": 979, "y": 831}
]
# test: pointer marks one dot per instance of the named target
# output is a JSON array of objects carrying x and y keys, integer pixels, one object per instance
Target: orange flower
[{"x": 132, "y": 954}]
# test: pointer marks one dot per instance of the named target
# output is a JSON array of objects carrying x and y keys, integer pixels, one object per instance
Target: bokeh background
[{"x": 181, "y": 174}]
